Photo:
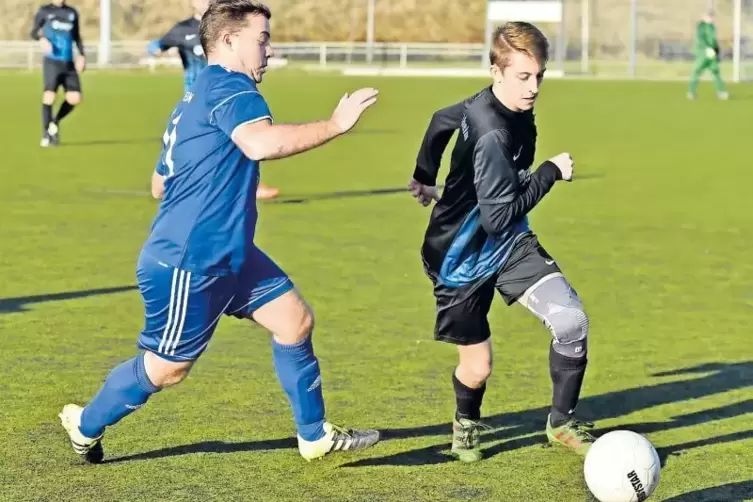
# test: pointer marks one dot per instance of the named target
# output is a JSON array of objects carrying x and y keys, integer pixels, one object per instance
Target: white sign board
[{"x": 533, "y": 11}]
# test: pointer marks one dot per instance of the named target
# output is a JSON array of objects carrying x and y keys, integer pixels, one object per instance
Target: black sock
[
  {"x": 468, "y": 400},
  {"x": 46, "y": 117},
  {"x": 64, "y": 110},
  {"x": 567, "y": 378}
]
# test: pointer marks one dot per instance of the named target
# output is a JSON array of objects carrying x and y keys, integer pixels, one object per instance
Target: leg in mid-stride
[
  {"x": 182, "y": 312},
  {"x": 533, "y": 279},
  {"x": 291, "y": 322},
  {"x": 699, "y": 67},
  {"x": 462, "y": 321},
  {"x": 57, "y": 74}
]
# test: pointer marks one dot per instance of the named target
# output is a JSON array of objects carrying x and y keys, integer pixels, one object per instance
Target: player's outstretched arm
[
  {"x": 262, "y": 140},
  {"x": 498, "y": 186},
  {"x": 76, "y": 33},
  {"x": 39, "y": 19},
  {"x": 442, "y": 126},
  {"x": 170, "y": 39},
  {"x": 36, "y": 30}
]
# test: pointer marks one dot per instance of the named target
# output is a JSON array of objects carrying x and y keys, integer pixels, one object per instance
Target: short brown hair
[
  {"x": 518, "y": 36},
  {"x": 227, "y": 14}
]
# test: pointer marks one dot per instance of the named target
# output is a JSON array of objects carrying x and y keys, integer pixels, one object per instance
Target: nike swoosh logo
[
  {"x": 515, "y": 157},
  {"x": 549, "y": 262},
  {"x": 190, "y": 37}
]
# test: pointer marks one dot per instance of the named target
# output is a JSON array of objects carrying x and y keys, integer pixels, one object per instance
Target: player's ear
[{"x": 496, "y": 74}]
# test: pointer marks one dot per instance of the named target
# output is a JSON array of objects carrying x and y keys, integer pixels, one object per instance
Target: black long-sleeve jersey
[{"x": 489, "y": 190}]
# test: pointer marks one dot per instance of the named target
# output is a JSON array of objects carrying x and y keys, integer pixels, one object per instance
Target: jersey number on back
[{"x": 169, "y": 138}]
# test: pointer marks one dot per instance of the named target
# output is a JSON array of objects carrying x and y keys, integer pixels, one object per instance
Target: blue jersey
[
  {"x": 207, "y": 217},
  {"x": 59, "y": 25},
  {"x": 185, "y": 36}
]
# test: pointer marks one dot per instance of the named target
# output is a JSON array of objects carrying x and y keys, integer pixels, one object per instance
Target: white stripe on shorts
[
  {"x": 182, "y": 315},
  {"x": 178, "y": 302},
  {"x": 169, "y": 312}
]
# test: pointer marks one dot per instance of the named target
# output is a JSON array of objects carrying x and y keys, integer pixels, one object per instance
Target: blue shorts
[{"x": 182, "y": 309}]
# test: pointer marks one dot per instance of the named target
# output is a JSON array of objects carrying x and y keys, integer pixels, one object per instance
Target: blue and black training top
[
  {"x": 185, "y": 36},
  {"x": 60, "y": 25},
  {"x": 489, "y": 190}
]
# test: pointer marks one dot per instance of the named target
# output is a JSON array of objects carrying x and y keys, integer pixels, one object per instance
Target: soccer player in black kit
[
  {"x": 56, "y": 26},
  {"x": 478, "y": 239}
]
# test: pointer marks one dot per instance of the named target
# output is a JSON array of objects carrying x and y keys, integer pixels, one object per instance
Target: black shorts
[
  {"x": 462, "y": 312},
  {"x": 57, "y": 73}
]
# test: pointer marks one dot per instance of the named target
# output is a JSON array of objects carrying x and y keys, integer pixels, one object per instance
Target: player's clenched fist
[
  {"x": 565, "y": 164},
  {"x": 424, "y": 194}
]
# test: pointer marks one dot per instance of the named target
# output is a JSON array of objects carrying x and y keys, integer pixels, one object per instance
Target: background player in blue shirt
[
  {"x": 185, "y": 37},
  {"x": 200, "y": 262},
  {"x": 56, "y": 26}
]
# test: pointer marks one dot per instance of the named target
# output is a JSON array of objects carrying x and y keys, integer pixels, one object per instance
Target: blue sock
[
  {"x": 298, "y": 371},
  {"x": 126, "y": 389}
]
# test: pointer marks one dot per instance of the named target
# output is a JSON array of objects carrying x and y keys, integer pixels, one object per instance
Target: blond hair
[{"x": 518, "y": 36}]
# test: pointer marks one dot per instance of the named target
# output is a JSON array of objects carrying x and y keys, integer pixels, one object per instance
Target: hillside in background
[
  {"x": 399, "y": 20},
  {"x": 293, "y": 20}
]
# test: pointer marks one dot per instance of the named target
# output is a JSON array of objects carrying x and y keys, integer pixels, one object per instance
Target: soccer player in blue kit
[
  {"x": 200, "y": 262},
  {"x": 56, "y": 26},
  {"x": 185, "y": 37}
]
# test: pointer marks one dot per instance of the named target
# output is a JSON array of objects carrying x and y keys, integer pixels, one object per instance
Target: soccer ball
[{"x": 622, "y": 466}]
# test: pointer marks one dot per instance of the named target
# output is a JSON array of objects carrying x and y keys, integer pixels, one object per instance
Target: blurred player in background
[
  {"x": 478, "y": 239},
  {"x": 706, "y": 57},
  {"x": 56, "y": 26},
  {"x": 185, "y": 37}
]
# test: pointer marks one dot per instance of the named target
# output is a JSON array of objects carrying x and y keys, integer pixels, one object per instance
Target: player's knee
[
  {"x": 475, "y": 375},
  {"x": 569, "y": 328},
  {"x": 305, "y": 325},
  {"x": 475, "y": 371},
  {"x": 299, "y": 326},
  {"x": 171, "y": 376},
  {"x": 163, "y": 373},
  {"x": 73, "y": 98},
  {"x": 48, "y": 98}
]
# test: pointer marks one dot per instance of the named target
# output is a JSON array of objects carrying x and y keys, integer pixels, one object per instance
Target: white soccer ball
[{"x": 622, "y": 466}]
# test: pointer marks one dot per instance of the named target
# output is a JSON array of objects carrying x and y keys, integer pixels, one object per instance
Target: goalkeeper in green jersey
[{"x": 706, "y": 57}]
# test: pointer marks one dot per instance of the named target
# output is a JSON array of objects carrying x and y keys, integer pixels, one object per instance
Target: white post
[
  {"x": 105, "y": 32},
  {"x": 487, "y": 40},
  {"x": 585, "y": 34},
  {"x": 370, "y": 30},
  {"x": 736, "y": 36},
  {"x": 633, "y": 48},
  {"x": 403, "y": 55},
  {"x": 323, "y": 55},
  {"x": 562, "y": 40}
]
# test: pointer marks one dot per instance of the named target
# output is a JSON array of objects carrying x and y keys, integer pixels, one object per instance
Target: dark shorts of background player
[
  {"x": 57, "y": 73},
  {"x": 462, "y": 312}
]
